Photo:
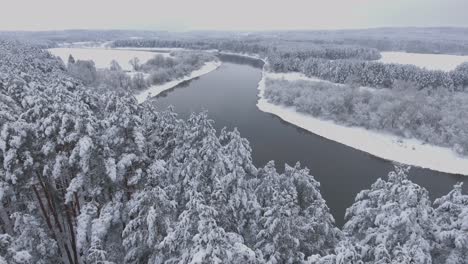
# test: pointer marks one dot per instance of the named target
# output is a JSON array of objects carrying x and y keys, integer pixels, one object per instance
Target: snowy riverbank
[
  {"x": 154, "y": 90},
  {"x": 408, "y": 151}
]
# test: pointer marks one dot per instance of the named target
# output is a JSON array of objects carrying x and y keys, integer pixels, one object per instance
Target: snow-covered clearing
[
  {"x": 103, "y": 57},
  {"x": 408, "y": 151},
  {"x": 154, "y": 90},
  {"x": 429, "y": 61}
]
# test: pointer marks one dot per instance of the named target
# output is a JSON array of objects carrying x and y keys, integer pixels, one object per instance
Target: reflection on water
[{"x": 229, "y": 94}]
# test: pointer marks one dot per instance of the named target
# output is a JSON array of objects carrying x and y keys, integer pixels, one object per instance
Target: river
[{"x": 230, "y": 94}]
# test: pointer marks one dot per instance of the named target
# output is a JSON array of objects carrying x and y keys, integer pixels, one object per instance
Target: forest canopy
[{"x": 92, "y": 177}]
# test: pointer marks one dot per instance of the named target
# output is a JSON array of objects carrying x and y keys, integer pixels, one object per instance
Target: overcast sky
[{"x": 228, "y": 14}]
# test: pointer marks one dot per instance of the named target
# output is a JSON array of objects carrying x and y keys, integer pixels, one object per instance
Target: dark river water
[{"x": 229, "y": 94}]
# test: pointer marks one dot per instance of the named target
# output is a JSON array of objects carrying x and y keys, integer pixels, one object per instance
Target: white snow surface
[
  {"x": 103, "y": 57},
  {"x": 381, "y": 144},
  {"x": 442, "y": 62},
  {"x": 154, "y": 90}
]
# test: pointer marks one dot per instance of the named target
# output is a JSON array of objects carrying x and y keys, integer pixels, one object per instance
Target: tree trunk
[
  {"x": 62, "y": 247},
  {"x": 6, "y": 219}
]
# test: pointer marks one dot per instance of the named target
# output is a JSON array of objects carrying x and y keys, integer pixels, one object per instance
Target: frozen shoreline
[
  {"x": 154, "y": 90},
  {"x": 380, "y": 144}
]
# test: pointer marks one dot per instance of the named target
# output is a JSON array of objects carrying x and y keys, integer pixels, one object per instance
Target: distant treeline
[
  {"x": 259, "y": 47},
  {"x": 225, "y": 45},
  {"x": 336, "y": 63},
  {"x": 414, "y": 46},
  {"x": 443, "y": 40}
]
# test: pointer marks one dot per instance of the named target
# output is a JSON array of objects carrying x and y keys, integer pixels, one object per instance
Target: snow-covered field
[
  {"x": 157, "y": 89},
  {"x": 429, "y": 61},
  {"x": 408, "y": 151},
  {"x": 103, "y": 57}
]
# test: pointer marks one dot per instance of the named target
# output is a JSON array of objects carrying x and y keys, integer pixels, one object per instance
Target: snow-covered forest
[
  {"x": 91, "y": 176},
  {"x": 371, "y": 73},
  {"x": 435, "y": 116}
]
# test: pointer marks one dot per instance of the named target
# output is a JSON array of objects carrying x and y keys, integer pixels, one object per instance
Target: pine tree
[
  {"x": 115, "y": 66},
  {"x": 150, "y": 214},
  {"x": 71, "y": 60},
  {"x": 316, "y": 226},
  {"x": 451, "y": 234},
  {"x": 30, "y": 243},
  {"x": 392, "y": 221},
  {"x": 345, "y": 252},
  {"x": 236, "y": 201},
  {"x": 293, "y": 199},
  {"x": 105, "y": 236},
  {"x": 123, "y": 143},
  {"x": 176, "y": 245},
  {"x": 210, "y": 244},
  {"x": 276, "y": 239}
]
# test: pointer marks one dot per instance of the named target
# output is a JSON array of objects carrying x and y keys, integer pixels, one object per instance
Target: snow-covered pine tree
[
  {"x": 195, "y": 161},
  {"x": 308, "y": 219},
  {"x": 346, "y": 252},
  {"x": 392, "y": 222},
  {"x": 176, "y": 245},
  {"x": 451, "y": 233},
  {"x": 105, "y": 245},
  {"x": 115, "y": 66},
  {"x": 160, "y": 130},
  {"x": 150, "y": 213},
  {"x": 267, "y": 179},
  {"x": 29, "y": 243},
  {"x": 277, "y": 240},
  {"x": 71, "y": 60},
  {"x": 295, "y": 221},
  {"x": 316, "y": 226},
  {"x": 196, "y": 238},
  {"x": 213, "y": 245},
  {"x": 237, "y": 204},
  {"x": 123, "y": 143}
]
